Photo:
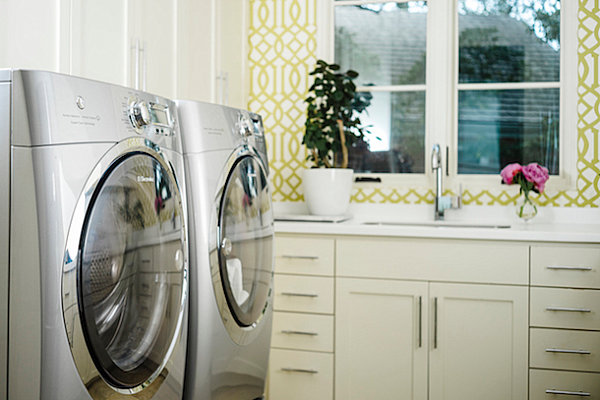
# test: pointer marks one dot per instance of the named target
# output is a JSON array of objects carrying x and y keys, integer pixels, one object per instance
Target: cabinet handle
[
  {"x": 287, "y": 332},
  {"x": 136, "y": 81},
  {"x": 299, "y": 294},
  {"x": 567, "y": 351},
  {"x": 564, "y": 267},
  {"x": 301, "y": 370},
  {"x": 435, "y": 326},
  {"x": 143, "y": 74},
  {"x": 569, "y": 309},
  {"x": 420, "y": 304},
  {"x": 568, "y": 393},
  {"x": 300, "y": 257}
]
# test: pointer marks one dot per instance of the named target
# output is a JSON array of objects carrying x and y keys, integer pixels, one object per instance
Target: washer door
[
  {"x": 131, "y": 278},
  {"x": 245, "y": 234}
]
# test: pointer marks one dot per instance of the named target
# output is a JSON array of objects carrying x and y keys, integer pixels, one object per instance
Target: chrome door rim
[
  {"x": 81, "y": 354},
  {"x": 239, "y": 334}
]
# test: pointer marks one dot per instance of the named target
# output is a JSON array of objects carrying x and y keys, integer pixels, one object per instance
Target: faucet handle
[
  {"x": 457, "y": 200},
  {"x": 436, "y": 157}
]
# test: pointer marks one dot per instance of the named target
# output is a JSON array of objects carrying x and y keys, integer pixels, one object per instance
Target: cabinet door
[
  {"x": 29, "y": 35},
  {"x": 231, "y": 38},
  {"x": 155, "y": 23},
  {"x": 381, "y": 346},
  {"x": 99, "y": 40},
  {"x": 478, "y": 342}
]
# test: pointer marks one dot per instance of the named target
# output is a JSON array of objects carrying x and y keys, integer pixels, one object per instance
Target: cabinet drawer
[
  {"x": 300, "y": 375},
  {"x": 547, "y": 385},
  {"x": 433, "y": 259},
  {"x": 565, "y": 308},
  {"x": 560, "y": 349},
  {"x": 311, "y": 294},
  {"x": 566, "y": 266},
  {"x": 302, "y": 331},
  {"x": 303, "y": 255}
]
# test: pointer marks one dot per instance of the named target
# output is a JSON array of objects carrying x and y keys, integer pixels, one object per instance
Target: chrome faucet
[{"x": 442, "y": 203}]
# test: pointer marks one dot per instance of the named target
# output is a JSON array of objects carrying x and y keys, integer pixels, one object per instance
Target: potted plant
[{"x": 332, "y": 124}]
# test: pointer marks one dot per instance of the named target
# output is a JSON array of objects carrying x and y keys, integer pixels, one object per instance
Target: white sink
[{"x": 439, "y": 224}]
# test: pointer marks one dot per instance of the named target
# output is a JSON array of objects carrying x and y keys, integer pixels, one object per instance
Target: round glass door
[
  {"x": 246, "y": 241},
  {"x": 131, "y": 271}
]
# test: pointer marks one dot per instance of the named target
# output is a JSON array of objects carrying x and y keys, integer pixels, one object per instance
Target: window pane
[
  {"x": 384, "y": 42},
  {"x": 498, "y": 127},
  {"x": 509, "y": 40},
  {"x": 397, "y": 140}
]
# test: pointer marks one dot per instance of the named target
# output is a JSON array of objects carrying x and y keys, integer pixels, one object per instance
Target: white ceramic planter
[{"x": 327, "y": 190}]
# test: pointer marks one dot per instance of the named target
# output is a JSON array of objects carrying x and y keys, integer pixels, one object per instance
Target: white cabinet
[
  {"x": 155, "y": 29},
  {"x": 131, "y": 43},
  {"x": 381, "y": 339},
  {"x": 301, "y": 360},
  {"x": 392, "y": 335},
  {"x": 231, "y": 53},
  {"x": 162, "y": 46},
  {"x": 29, "y": 35},
  {"x": 565, "y": 322},
  {"x": 100, "y": 40},
  {"x": 478, "y": 346}
]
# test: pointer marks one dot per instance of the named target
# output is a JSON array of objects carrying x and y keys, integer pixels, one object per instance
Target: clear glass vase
[{"x": 526, "y": 208}]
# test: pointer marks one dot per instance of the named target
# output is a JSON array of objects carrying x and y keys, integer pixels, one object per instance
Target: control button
[
  {"x": 139, "y": 114},
  {"x": 80, "y": 101}
]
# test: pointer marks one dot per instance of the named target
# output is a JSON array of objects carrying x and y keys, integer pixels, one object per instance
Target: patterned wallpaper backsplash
[{"x": 283, "y": 45}]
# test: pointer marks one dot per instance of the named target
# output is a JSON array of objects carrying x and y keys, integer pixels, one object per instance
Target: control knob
[
  {"x": 139, "y": 114},
  {"x": 244, "y": 126}
]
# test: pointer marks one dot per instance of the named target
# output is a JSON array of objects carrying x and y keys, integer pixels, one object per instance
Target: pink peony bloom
[
  {"x": 509, "y": 172},
  {"x": 537, "y": 175}
]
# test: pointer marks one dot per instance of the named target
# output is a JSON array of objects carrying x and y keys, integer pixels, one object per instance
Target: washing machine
[
  {"x": 231, "y": 252},
  {"x": 93, "y": 243}
]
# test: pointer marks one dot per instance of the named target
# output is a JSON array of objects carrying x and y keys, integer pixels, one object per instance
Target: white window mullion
[
  {"x": 395, "y": 88},
  {"x": 365, "y": 2},
  {"x": 568, "y": 93},
  {"x": 439, "y": 81},
  {"x": 508, "y": 86}
]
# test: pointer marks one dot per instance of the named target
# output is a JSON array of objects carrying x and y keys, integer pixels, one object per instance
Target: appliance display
[
  {"x": 231, "y": 252},
  {"x": 98, "y": 268}
]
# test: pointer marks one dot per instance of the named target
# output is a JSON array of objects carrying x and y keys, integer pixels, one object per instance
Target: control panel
[{"x": 150, "y": 118}]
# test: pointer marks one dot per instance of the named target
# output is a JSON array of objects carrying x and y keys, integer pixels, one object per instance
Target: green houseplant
[
  {"x": 332, "y": 125},
  {"x": 333, "y": 115}
]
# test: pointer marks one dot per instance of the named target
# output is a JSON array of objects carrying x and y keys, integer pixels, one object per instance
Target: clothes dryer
[
  {"x": 97, "y": 239},
  {"x": 231, "y": 252}
]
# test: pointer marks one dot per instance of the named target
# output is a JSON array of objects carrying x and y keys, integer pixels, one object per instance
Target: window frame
[{"x": 442, "y": 88}]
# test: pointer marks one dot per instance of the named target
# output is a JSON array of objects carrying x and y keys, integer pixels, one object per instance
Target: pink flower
[
  {"x": 537, "y": 175},
  {"x": 509, "y": 172}
]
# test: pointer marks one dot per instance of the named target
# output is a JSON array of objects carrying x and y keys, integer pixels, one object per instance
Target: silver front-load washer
[
  {"x": 97, "y": 237},
  {"x": 231, "y": 252}
]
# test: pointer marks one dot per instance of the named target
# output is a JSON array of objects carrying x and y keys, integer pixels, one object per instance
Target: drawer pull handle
[
  {"x": 300, "y": 333},
  {"x": 568, "y": 393},
  {"x": 569, "y": 309},
  {"x": 299, "y": 294},
  {"x": 567, "y": 351},
  {"x": 301, "y": 370},
  {"x": 300, "y": 257},
  {"x": 564, "y": 267}
]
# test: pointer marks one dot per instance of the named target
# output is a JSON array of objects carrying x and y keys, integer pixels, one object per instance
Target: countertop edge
[{"x": 588, "y": 234}]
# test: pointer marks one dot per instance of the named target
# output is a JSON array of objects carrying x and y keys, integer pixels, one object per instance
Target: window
[
  {"x": 508, "y": 84},
  {"x": 494, "y": 81},
  {"x": 386, "y": 42}
]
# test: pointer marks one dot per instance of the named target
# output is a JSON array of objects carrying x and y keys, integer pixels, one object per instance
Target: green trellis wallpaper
[{"x": 282, "y": 39}]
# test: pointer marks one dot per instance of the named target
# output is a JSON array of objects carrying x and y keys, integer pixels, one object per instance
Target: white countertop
[{"x": 574, "y": 226}]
